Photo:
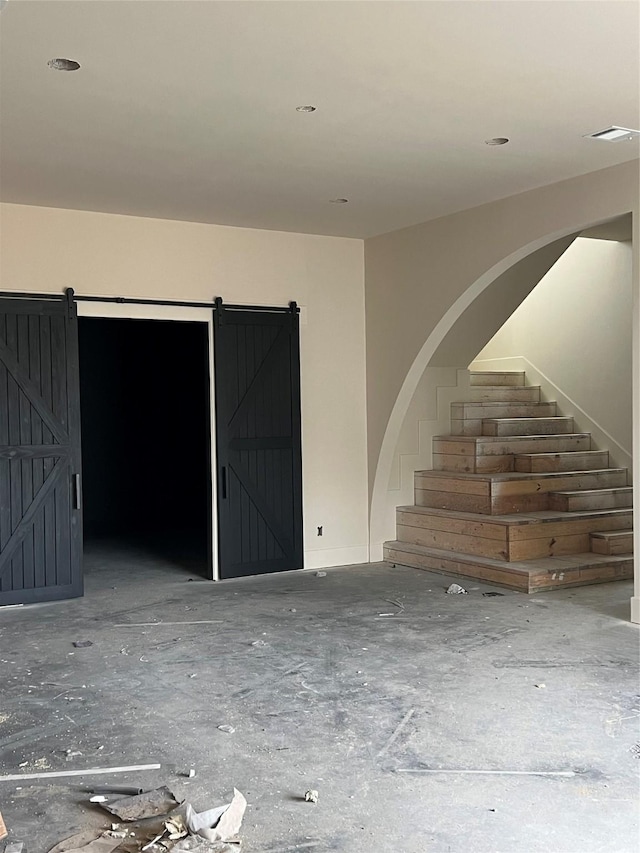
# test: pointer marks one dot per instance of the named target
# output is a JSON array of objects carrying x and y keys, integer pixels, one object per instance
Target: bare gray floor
[{"x": 547, "y": 683}]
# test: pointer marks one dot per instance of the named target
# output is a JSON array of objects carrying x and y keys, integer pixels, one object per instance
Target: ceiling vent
[{"x": 614, "y": 134}]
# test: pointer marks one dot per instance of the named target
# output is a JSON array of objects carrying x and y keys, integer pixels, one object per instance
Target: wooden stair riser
[
  {"x": 506, "y": 378},
  {"x": 482, "y": 504},
  {"x": 534, "y": 576},
  {"x": 467, "y": 544},
  {"x": 473, "y": 455},
  {"x": 468, "y": 418},
  {"x": 498, "y": 485},
  {"x": 495, "y": 496},
  {"x": 473, "y": 464},
  {"x": 487, "y": 454},
  {"x": 612, "y": 542},
  {"x": 606, "y": 498},
  {"x": 505, "y": 394},
  {"x": 487, "y": 445},
  {"x": 505, "y": 540},
  {"x": 544, "y": 463},
  {"x": 526, "y": 426}
]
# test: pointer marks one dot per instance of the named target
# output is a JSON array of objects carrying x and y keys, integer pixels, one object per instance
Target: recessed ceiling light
[
  {"x": 63, "y": 64},
  {"x": 497, "y": 140},
  {"x": 613, "y": 134},
  {"x": 306, "y": 109},
  {"x": 338, "y": 200}
]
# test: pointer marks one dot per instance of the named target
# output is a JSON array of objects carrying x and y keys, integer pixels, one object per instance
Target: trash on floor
[
  {"x": 157, "y": 822},
  {"x": 195, "y": 844},
  {"x": 71, "y": 753},
  {"x": 456, "y": 589},
  {"x": 116, "y": 789},
  {"x": 88, "y": 841},
  {"x": 219, "y": 824},
  {"x": 227, "y": 729},
  {"x": 3, "y": 828},
  {"x": 311, "y": 796},
  {"x": 81, "y": 644},
  {"x": 160, "y": 801},
  {"x": 15, "y": 847},
  {"x": 492, "y": 594},
  {"x": 189, "y": 774},
  {"x": 321, "y": 574}
]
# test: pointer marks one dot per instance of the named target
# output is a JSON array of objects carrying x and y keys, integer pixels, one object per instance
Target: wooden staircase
[{"x": 516, "y": 497}]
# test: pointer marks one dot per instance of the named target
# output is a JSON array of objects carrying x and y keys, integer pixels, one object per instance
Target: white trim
[
  {"x": 324, "y": 558},
  {"x": 185, "y": 314}
]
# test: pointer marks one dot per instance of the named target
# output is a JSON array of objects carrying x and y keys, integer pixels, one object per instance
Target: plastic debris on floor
[{"x": 155, "y": 822}]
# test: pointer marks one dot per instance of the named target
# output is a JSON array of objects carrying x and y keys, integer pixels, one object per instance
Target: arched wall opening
[{"x": 439, "y": 369}]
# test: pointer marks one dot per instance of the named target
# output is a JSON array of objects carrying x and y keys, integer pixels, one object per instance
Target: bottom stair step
[
  {"x": 612, "y": 542},
  {"x": 528, "y": 576}
]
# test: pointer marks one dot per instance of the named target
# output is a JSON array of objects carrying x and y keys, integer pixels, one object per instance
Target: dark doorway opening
[{"x": 145, "y": 410}]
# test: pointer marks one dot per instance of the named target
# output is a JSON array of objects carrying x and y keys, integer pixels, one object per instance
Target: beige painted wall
[
  {"x": 420, "y": 281},
  {"x": 46, "y": 250},
  {"x": 575, "y": 329}
]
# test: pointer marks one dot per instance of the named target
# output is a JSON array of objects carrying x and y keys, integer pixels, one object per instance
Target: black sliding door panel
[
  {"x": 257, "y": 377},
  {"x": 40, "y": 518}
]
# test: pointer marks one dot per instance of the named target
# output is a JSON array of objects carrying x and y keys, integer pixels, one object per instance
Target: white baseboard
[
  {"x": 323, "y": 558},
  {"x": 635, "y": 609}
]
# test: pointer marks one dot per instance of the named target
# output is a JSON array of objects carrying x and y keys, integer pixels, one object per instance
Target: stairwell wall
[{"x": 572, "y": 335}]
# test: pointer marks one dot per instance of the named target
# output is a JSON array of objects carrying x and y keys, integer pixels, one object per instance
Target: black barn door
[
  {"x": 257, "y": 373},
  {"x": 40, "y": 523}
]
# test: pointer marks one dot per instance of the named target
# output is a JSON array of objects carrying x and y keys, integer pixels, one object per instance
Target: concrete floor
[{"x": 545, "y": 683}]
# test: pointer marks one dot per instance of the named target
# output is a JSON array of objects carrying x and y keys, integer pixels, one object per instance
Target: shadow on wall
[{"x": 573, "y": 336}]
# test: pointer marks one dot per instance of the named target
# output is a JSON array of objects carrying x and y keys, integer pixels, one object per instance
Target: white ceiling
[{"x": 186, "y": 110}]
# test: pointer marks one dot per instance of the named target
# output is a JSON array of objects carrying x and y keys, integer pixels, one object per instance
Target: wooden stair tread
[
  {"x": 543, "y": 418},
  {"x": 628, "y": 490},
  {"x": 567, "y": 453},
  {"x": 495, "y": 439},
  {"x": 505, "y": 476},
  {"x": 503, "y": 388},
  {"x": 545, "y": 564},
  {"x": 540, "y": 517},
  {"x": 611, "y": 534}
]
